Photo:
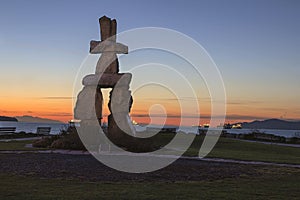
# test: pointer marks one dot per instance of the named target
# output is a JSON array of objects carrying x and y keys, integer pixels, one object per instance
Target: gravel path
[
  {"x": 220, "y": 160},
  {"x": 87, "y": 168}
]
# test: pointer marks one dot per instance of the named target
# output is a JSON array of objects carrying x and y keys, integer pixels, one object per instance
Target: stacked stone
[
  {"x": 120, "y": 103},
  {"x": 89, "y": 102}
]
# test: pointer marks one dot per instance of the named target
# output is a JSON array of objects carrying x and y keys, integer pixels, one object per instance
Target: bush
[
  {"x": 68, "y": 139},
  {"x": 45, "y": 142},
  {"x": 294, "y": 140}
]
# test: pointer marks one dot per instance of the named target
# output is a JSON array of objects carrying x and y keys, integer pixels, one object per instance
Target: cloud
[
  {"x": 176, "y": 99},
  {"x": 56, "y": 114},
  {"x": 4, "y": 111},
  {"x": 169, "y": 116},
  {"x": 57, "y": 98},
  {"x": 205, "y": 99},
  {"x": 228, "y": 117},
  {"x": 243, "y": 102},
  {"x": 245, "y": 117}
]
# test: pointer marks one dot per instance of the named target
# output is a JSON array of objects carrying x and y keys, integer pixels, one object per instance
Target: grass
[
  {"x": 17, "y": 146},
  {"x": 225, "y": 148},
  {"x": 279, "y": 184},
  {"x": 272, "y": 183},
  {"x": 243, "y": 150}
]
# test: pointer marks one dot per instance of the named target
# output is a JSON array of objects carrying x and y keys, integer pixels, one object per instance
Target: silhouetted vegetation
[
  {"x": 11, "y": 119},
  {"x": 21, "y": 134},
  {"x": 264, "y": 137},
  {"x": 68, "y": 139}
]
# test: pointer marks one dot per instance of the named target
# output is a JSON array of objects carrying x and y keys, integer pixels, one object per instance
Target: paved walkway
[
  {"x": 73, "y": 152},
  {"x": 252, "y": 141},
  {"x": 105, "y": 153}
]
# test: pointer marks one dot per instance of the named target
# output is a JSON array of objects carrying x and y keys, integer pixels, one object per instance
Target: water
[
  {"x": 57, "y": 127},
  {"x": 30, "y": 127}
]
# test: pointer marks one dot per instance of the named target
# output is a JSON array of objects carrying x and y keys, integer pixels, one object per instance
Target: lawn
[
  {"x": 272, "y": 185},
  {"x": 225, "y": 148},
  {"x": 243, "y": 150},
  {"x": 17, "y": 145}
]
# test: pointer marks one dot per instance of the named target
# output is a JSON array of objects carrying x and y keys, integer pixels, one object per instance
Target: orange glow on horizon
[
  {"x": 61, "y": 109},
  {"x": 37, "y": 107}
]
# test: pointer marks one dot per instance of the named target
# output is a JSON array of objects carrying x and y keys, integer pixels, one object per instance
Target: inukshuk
[{"x": 106, "y": 76}]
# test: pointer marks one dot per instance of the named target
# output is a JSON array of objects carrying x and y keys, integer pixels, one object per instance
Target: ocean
[
  {"x": 30, "y": 127},
  {"x": 57, "y": 127}
]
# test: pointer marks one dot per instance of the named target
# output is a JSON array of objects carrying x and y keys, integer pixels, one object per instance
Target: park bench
[
  {"x": 43, "y": 130},
  {"x": 7, "y": 130}
]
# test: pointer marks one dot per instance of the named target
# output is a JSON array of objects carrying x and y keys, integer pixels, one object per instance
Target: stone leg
[
  {"x": 119, "y": 122},
  {"x": 90, "y": 134},
  {"x": 88, "y": 109},
  {"x": 98, "y": 104},
  {"x": 85, "y": 104},
  {"x": 114, "y": 132}
]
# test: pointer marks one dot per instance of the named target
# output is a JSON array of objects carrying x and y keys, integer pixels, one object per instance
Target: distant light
[
  {"x": 206, "y": 125},
  {"x": 237, "y": 126}
]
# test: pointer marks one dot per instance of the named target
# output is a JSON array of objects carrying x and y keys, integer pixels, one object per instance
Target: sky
[{"x": 255, "y": 45}]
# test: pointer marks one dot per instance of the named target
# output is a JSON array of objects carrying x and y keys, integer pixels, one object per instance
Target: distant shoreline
[
  {"x": 28, "y": 119},
  {"x": 8, "y": 119}
]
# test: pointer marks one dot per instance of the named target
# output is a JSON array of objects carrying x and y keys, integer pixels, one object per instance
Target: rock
[
  {"x": 89, "y": 123},
  {"x": 89, "y": 102},
  {"x": 120, "y": 101},
  {"x": 113, "y": 30},
  {"x": 97, "y": 47},
  {"x": 107, "y": 63},
  {"x": 85, "y": 104},
  {"x": 119, "y": 124},
  {"x": 108, "y": 29},
  {"x": 107, "y": 80},
  {"x": 105, "y": 27},
  {"x": 98, "y": 104}
]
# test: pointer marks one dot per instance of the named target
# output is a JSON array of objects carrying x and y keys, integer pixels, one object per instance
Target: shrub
[
  {"x": 68, "y": 139},
  {"x": 44, "y": 142}
]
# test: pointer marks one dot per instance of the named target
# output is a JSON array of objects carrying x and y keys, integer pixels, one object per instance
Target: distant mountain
[
  {"x": 27, "y": 118},
  {"x": 11, "y": 119},
  {"x": 273, "y": 124}
]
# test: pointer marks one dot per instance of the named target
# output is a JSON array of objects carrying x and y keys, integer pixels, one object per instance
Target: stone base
[
  {"x": 91, "y": 134},
  {"x": 119, "y": 127}
]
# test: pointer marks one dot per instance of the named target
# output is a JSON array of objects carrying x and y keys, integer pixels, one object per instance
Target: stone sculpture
[{"x": 90, "y": 99}]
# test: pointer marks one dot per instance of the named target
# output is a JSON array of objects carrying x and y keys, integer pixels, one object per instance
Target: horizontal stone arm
[
  {"x": 107, "y": 80},
  {"x": 97, "y": 47}
]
